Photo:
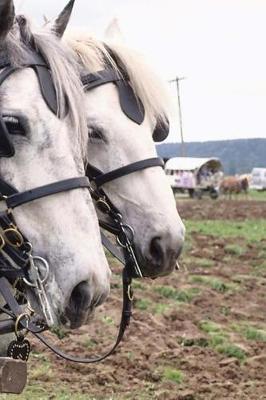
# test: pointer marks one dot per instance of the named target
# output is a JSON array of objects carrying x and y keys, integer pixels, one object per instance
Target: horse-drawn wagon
[{"x": 196, "y": 176}]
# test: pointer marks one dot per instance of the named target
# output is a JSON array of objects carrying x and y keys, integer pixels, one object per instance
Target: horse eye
[
  {"x": 96, "y": 135},
  {"x": 14, "y": 126}
]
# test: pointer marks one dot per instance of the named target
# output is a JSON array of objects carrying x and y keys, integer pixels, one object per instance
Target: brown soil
[
  {"x": 165, "y": 334},
  {"x": 221, "y": 209}
]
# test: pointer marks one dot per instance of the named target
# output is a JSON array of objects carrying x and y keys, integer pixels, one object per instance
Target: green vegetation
[
  {"x": 255, "y": 334},
  {"x": 257, "y": 195},
  {"x": 173, "y": 375},
  {"x": 183, "y": 296},
  {"x": 251, "y": 332},
  {"x": 160, "y": 308},
  {"x": 143, "y": 304},
  {"x": 89, "y": 343},
  {"x": 219, "y": 340},
  {"x": 204, "y": 262},
  {"x": 251, "y": 230},
  {"x": 215, "y": 283},
  {"x": 234, "y": 249},
  {"x": 231, "y": 350},
  {"x": 209, "y": 327},
  {"x": 108, "y": 320}
]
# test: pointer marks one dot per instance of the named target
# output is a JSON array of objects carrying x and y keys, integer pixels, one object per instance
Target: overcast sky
[{"x": 218, "y": 45}]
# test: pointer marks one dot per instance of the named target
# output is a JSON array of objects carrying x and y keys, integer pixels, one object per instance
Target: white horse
[
  {"x": 144, "y": 198},
  {"x": 50, "y": 147}
]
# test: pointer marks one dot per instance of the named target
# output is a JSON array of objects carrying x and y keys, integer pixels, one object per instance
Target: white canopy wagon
[{"x": 196, "y": 176}]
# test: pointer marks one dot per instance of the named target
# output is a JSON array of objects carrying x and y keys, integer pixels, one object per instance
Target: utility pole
[{"x": 177, "y": 80}]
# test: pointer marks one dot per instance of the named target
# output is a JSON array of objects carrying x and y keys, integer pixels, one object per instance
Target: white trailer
[
  {"x": 196, "y": 176},
  {"x": 258, "y": 179}
]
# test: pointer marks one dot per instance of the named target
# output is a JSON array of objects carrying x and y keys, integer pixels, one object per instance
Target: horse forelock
[
  {"x": 147, "y": 85},
  {"x": 63, "y": 64}
]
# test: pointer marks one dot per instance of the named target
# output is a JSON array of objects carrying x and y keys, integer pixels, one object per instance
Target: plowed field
[{"x": 199, "y": 334}]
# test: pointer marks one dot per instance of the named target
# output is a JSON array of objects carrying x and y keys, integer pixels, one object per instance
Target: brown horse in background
[{"x": 234, "y": 185}]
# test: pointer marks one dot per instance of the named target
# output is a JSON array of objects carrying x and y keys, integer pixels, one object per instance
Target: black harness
[
  {"x": 133, "y": 108},
  {"x": 16, "y": 250},
  {"x": 20, "y": 254}
]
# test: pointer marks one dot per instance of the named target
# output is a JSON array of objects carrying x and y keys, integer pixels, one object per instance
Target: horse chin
[{"x": 76, "y": 320}]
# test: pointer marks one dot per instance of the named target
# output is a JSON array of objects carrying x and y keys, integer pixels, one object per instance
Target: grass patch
[
  {"x": 231, "y": 350},
  {"x": 108, "y": 320},
  {"x": 173, "y": 375},
  {"x": 250, "y": 332},
  {"x": 43, "y": 372},
  {"x": 89, "y": 343},
  {"x": 139, "y": 285},
  {"x": 209, "y": 327},
  {"x": 183, "y": 296},
  {"x": 160, "y": 308},
  {"x": 204, "y": 263},
  {"x": 219, "y": 341},
  {"x": 234, "y": 249},
  {"x": 255, "y": 334},
  {"x": 252, "y": 230},
  {"x": 214, "y": 283},
  {"x": 257, "y": 195},
  {"x": 142, "y": 304}
]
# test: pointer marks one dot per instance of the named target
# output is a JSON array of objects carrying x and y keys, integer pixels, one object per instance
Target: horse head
[
  {"x": 126, "y": 112},
  {"x": 44, "y": 131}
]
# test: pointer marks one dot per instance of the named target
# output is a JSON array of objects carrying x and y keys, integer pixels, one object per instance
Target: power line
[{"x": 177, "y": 80}]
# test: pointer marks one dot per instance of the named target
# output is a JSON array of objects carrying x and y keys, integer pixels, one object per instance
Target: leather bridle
[
  {"x": 22, "y": 255},
  {"x": 16, "y": 259},
  {"x": 133, "y": 108}
]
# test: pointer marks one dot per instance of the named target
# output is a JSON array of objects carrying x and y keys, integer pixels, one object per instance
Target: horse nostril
[
  {"x": 156, "y": 250},
  {"x": 80, "y": 298}
]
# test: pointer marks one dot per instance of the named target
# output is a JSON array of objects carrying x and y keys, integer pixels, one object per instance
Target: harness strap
[
  {"x": 115, "y": 251},
  {"x": 18, "y": 199},
  {"x": 100, "y": 178},
  {"x": 15, "y": 309}
]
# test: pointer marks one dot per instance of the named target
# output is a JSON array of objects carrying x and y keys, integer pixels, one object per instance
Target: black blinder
[
  {"x": 161, "y": 130},
  {"x": 46, "y": 86},
  {"x": 6, "y": 147},
  {"x": 131, "y": 106}
]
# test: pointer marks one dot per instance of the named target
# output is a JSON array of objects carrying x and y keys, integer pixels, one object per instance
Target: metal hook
[{"x": 18, "y": 320}]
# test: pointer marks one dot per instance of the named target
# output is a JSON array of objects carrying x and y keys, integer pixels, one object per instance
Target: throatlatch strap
[{"x": 19, "y": 199}]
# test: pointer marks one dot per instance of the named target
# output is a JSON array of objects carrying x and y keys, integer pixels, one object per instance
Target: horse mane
[
  {"x": 148, "y": 87},
  {"x": 63, "y": 63}
]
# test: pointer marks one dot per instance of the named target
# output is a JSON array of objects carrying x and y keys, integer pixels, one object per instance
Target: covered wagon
[{"x": 196, "y": 176}]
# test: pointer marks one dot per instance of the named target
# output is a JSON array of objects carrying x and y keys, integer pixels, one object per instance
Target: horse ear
[
  {"x": 62, "y": 20},
  {"x": 113, "y": 32},
  {"x": 7, "y": 15}
]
